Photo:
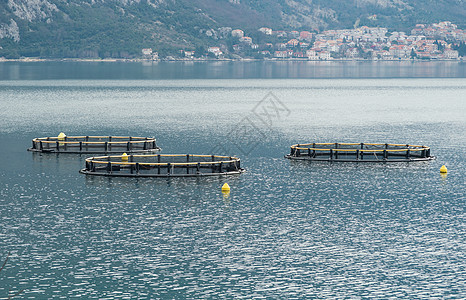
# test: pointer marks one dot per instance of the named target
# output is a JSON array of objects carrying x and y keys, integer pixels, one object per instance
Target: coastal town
[{"x": 442, "y": 40}]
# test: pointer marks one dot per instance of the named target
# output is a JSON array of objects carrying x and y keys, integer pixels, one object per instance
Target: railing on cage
[
  {"x": 360, "y": 152},
  {"x": 162, "y": 165},
  {"x": 94, "y": 144}
]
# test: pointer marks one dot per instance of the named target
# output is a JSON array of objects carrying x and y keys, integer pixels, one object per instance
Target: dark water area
[
  {"x": 288, "y": 230},
  {"x": 231, "y": 70}
]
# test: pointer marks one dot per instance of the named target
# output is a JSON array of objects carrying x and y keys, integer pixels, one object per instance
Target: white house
[
  {"x": 246, "y": 39},
  {"x": 215, "y": 50},
  {"x": 450, "y": 54},
  {"x": 237, "y": 33},
  {"x": 312, "y": 54},
  {"x": 147, "y": 51},
  {"x": 324, "y": 55},
  {"x": 265, "y": 30}
]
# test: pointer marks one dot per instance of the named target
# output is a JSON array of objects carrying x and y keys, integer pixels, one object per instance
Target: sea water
[{"x": 288, "y": 229}]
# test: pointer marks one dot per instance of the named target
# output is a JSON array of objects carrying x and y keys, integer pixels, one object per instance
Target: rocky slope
[{"x": 120, "y": 28}]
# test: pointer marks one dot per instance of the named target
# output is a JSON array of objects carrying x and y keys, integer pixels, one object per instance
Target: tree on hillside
[
  {"x": 200, "y": 51},
  {"x": 440, "y": 47},
  {"x": 461, "y": 48}
]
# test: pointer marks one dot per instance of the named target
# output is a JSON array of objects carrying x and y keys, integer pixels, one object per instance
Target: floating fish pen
[
  {"x": 162, "y": 165},
  {"x": 360, "y": 152},
  {"x": 93, "y": 144}
]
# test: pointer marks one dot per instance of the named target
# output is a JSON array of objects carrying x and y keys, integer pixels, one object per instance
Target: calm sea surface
[{"x": 288, "y": 230}]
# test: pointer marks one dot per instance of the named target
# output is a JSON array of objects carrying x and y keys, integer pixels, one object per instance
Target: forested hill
[{"x": 120, "y": 28}]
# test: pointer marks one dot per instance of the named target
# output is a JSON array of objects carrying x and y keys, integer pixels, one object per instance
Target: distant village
[{"x": 435, "y": 41}]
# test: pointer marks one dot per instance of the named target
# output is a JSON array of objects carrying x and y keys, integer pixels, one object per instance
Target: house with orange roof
[
  {"x": 281, "y": 54},
  {"x": 305, "y": 35},
  {"x": 246, "y": 39},
  {"x": 292, "y": 43}
]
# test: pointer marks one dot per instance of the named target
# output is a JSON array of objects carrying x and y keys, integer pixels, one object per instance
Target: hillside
[{"x": 120, "y": 28}]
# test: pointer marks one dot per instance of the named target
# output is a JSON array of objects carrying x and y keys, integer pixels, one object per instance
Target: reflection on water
[
  {"x": 288, "y": 229},
  {"x": 230, "y": 70}
]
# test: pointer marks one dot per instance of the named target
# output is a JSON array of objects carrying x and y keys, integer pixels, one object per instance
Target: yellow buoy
[
  {"x": 225, "y": 187},
  {"x": 443, "y": 169},
  {"x": 124, "y": 157},
  {"x": 61, "y": 136}
]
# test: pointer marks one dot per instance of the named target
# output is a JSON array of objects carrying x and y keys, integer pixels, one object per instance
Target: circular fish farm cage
[
  {"x": 162, "y": 165},
  {"x": 360, "y": 152},
  {"x": 94, "y": 144}
]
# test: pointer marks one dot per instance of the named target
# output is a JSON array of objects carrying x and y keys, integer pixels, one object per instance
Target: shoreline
[{"x": 28, "y": 59}]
